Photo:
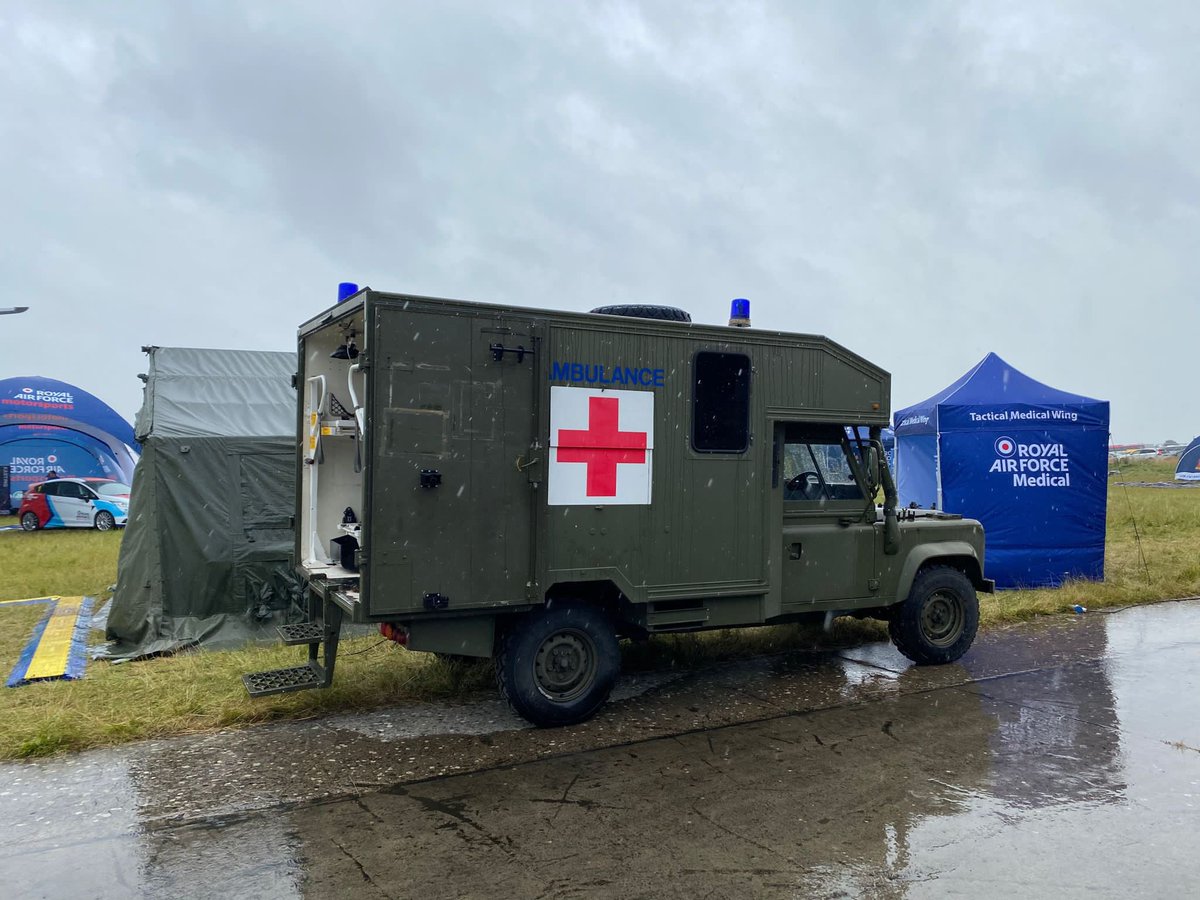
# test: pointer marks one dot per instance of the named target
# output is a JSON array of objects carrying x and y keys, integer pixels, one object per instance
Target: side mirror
[{"x": 873, "y": 466}]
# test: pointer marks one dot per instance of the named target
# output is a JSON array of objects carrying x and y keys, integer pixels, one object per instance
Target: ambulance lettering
[
  {"x": 587, "y": 373},
  {"x": 601, "y": 446}
]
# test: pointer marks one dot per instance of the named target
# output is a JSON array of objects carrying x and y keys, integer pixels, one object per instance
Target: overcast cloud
[{"x": 922, "y": 182}]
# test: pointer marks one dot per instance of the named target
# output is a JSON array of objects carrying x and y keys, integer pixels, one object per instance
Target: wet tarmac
[{"x": 1058, "y": 758}]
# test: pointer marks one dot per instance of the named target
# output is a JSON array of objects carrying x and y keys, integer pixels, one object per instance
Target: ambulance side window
[
  {"x": 721, "y": 403},
  {"x": 815, "y": 466}
]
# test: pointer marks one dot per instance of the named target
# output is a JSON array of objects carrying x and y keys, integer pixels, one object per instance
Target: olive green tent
[{"x": 206, "y": 555}]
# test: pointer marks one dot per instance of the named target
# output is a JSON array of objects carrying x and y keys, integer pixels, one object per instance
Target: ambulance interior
[{"x": 332, "y": 433}]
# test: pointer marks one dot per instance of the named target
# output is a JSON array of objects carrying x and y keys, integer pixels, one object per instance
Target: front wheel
[
  {"x": 29, "y": 521},
  {"x": 937, "y": 622},
  {"x": 105, "y": 521},
  {"x": 557, "y": 666}
]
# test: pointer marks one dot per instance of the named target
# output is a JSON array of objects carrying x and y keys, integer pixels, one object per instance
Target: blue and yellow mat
[{"x": 58, "y": 647}]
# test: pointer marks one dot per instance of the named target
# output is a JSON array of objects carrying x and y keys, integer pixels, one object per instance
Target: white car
[{"x": 99, "y": 503}]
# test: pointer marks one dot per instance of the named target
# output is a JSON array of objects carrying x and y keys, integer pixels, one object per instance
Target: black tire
[
  {"x": 665, "y": 313},
  {"x": 557, "y": 666},
  {"x": 104, "y": 521},
  {"x": 937, "y": 622},
  {"x": 29, "y": 521}
]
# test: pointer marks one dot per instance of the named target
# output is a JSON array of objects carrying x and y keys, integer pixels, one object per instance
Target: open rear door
[{"x": 451, "y": 443}]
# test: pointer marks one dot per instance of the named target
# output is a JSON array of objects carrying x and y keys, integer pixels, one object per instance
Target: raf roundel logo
[
  {"x": 26, "y": 390},
  {"x": 50, "y": 457},
  {"x": 1005, "y": 446}
]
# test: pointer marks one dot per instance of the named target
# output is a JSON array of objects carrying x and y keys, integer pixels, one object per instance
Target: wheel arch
[
  {"x": 602, "y": 593},
  {"x": 954, "y": 554}
]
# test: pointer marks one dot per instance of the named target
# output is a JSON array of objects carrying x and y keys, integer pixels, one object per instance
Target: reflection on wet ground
[{"x": 1060, "y": 756}]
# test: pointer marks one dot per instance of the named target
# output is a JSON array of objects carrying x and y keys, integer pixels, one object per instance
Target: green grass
[
  {"x": 70, "y": 562},
  {"x": 1150, "y": 553},
  {"x": 202, "y": 691}
]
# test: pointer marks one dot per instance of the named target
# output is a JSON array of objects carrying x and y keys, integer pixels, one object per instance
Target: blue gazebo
[{"x": 1028, "y": 460}]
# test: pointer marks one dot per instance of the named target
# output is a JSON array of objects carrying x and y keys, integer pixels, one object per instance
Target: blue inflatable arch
[{"x": 48, "y": 425}]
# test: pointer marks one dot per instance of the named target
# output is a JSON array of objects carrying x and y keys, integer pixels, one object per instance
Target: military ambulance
[{"x": 533, "y": 486}]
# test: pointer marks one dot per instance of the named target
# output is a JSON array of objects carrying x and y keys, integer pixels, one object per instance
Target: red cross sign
[{"x": 601, "y": 446}]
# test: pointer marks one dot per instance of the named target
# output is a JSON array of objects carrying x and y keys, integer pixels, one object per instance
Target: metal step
[
  {"x": 281, "y": 681},
  {"x": 302, "y": 633}
]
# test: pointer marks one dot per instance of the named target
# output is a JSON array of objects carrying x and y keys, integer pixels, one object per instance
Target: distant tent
[
  {"x": 1189, "y": 463},
  {"x": 1029, "y": 461},
  {"x": 48, "y": 425},
  {"x": 206, "y": 554}
]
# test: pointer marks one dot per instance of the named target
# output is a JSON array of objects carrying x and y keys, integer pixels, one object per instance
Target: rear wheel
[
  {"x": 105, "y": 521},
  {"x": 29, "y": 521},
  {"x": 937, "y": 622},
  {"x": 557, "y": 666}
]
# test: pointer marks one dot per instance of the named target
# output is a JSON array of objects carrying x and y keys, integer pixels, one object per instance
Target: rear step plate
[
  {"x": 281, "y": 681},
  {"x": 302, "y": 633}
]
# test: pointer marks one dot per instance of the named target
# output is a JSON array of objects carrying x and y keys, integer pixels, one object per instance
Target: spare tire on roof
[{"x": 637, "y": 311}]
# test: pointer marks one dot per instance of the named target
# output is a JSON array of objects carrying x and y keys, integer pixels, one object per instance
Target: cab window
[{"x": 815, "y": 467}]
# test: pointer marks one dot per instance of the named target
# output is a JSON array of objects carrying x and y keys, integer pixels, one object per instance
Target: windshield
[{"x": 111, "y": 489}]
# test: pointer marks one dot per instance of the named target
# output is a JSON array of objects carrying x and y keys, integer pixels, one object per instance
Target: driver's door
[
  {"x": 71, "y": 504},
  {"x": 828, "y": 535}
]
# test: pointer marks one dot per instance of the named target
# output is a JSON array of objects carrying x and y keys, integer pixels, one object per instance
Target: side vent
[{"x": 677, "y": 615}]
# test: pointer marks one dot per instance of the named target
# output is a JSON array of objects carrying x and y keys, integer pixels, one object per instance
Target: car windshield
[{"x": 111, "y": 489}]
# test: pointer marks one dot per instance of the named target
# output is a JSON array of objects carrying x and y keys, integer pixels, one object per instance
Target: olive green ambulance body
[{"x": 530, "y": 485}]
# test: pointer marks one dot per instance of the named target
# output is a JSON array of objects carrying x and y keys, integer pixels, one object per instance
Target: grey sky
[{"x": 922, "y": 182}]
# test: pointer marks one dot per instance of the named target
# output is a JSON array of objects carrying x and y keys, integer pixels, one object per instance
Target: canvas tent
[
  {"x": 1029, "y": 461},
  {"x": 49, "y": 425},
  {"x": 206, "y": 553},
  {"x": 1188, "y": 468}
]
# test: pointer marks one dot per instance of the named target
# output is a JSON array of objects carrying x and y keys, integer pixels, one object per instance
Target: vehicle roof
[{"x": 85, "y": 479}]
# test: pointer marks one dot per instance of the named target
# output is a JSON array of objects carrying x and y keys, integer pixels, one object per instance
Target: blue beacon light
[
  {"x": 346, "y": 289},
  {"x": 739, "y": 313}
]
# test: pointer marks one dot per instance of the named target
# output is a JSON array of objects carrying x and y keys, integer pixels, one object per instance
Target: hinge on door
[{"x": 520, "y": 351}]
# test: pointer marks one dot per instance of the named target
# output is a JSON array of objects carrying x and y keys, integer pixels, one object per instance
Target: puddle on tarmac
[
  {"x": 73, "y": 829},
  {"x": 1062, "y": 757}
]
